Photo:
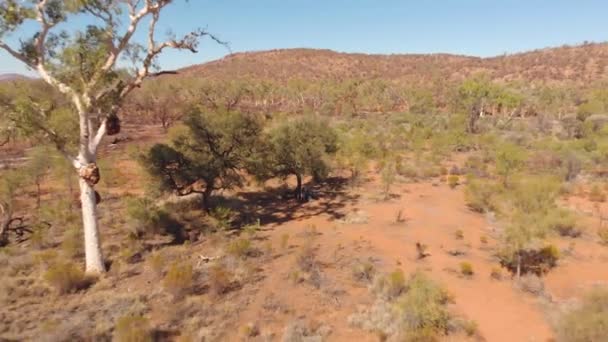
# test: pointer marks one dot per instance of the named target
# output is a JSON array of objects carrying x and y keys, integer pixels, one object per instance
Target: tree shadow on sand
[{"x": 279, "y": 205}]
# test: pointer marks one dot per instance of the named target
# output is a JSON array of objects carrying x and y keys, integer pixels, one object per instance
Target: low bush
[
  {"x": 240, "y": 248},
  {"x": 66, "y": 277},
  {"x": 496, "y": 273},
  {"x": 602, "y": 233},
  {"x": 179, "y": 279},
  {"x": 147, "y": 218},
  {"x": 466, "y": 269},
  {"x": 588, "y": 322},
  {"x": 156, "y": 262},
  {"x": 284, "y": 241},
  {"x": 453, "y": 181},
  {"x": 563, "y": 222},
  {"x": 223, "y": 217},
  {"x": 132, "y": 329},
  {"x": 390, "y": 286},
  {"x": 459, "y": 234},
  {"x": 536, "y": 261},
  {"x": 423, "y": 308},
  {"x": 480, "y": 195},
  {"x": 220, "y": 279},
  {"x": 306, "y": 258},
  {"x": 596, "y": 194},
  {"x": 364, "y": 271}
]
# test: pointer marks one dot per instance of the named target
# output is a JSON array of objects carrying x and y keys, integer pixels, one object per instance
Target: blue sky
[{"x": 471, "y": 27}]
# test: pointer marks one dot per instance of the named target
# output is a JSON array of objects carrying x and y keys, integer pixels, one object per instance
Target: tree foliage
[
  {"x": 300, "y": 147},
  {"x": 208, "y": 154}
]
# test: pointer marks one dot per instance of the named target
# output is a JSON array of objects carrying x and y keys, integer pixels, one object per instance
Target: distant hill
[
  {"x": 573, "y": 64},
  {"x": 12, "y": 77}
]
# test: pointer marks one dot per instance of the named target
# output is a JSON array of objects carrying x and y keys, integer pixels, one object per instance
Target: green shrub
[
  {"x": 390, "y": 286},
  {"x": 179, "y": 279},
  {"x": 480, "y": 195},
  {"x": 563, "y": 222},
  {"x": 132, "y": 329},
  {"x": 587, "y": 323},
  {"x": 453, "y": 181},
  {"x": 466, "y": 269},
  {"x": 147, "y": 218},
  {"x": 423, "y": 307},
  {"x": 66, "y": 277},
  {"x": 240, "y": 248},
  {"x": 223, "y": 216}
]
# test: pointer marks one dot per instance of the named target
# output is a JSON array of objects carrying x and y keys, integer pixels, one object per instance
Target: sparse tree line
[{"x": 158, "y": 100}]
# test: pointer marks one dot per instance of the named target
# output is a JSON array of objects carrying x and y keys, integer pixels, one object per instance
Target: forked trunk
[{"x": 92, "y": 243}]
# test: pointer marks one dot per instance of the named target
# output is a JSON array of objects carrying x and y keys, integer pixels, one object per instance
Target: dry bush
[
  {"x": 418, "y": 313},
  {"x": 390, "y": 286},
  {"x": 300, "y": 331},
  {"x": 220, "y": 279},
  {"x": 459, "y": 234},
  {"x": 66, "y": 277},
  {"x": 483, "y": 239},
  {"x": 72, "y": 245},
  {"x": 179, "y": 279},
  {"x": 132, "y": 329},
  {"x": 596, "y": 194},
  {"x": 240, "y": 248},
  {"x": 364, "y": 271},
  {"x": 156, "y": 262},
  {"x": 466, "y": 269},
  {"x": 306, "y": 257},
  {"x": 588, "y": 322},
  {"x": 531, "y": 283},
  {"x": 602, "y": 233},
  {"x": 284, "y": 241},
  {"x": 496, "y": 273}
]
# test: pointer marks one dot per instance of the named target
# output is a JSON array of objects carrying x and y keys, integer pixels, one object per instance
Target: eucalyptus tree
[{"x": 75, "y": 48}]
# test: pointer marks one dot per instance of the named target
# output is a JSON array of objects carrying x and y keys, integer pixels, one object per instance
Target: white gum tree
[{"x": 79, "y": 58}]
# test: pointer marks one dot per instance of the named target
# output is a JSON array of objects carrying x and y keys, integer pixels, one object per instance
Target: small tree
[
  {"x": 10, "y": 181},
  {"x": 300, "y": 147},
  {"x": 81, "y": 64},
  {"x": 36, "y": 169},
  {"x": 208, "y": 155},
  {"x": 509, "y": 158}
]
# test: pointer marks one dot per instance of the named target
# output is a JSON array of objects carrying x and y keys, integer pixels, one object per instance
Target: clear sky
[{"x": 471, "y": 27}]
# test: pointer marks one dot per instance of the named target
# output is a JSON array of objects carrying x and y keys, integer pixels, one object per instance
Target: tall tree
[{"x": 81, "y": 64}]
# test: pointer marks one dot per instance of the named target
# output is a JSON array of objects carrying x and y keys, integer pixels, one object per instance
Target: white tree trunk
[{"x": 92, "y": 243}]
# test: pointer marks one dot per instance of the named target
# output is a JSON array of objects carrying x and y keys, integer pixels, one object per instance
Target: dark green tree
[{"x": 210, "y": 153}]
